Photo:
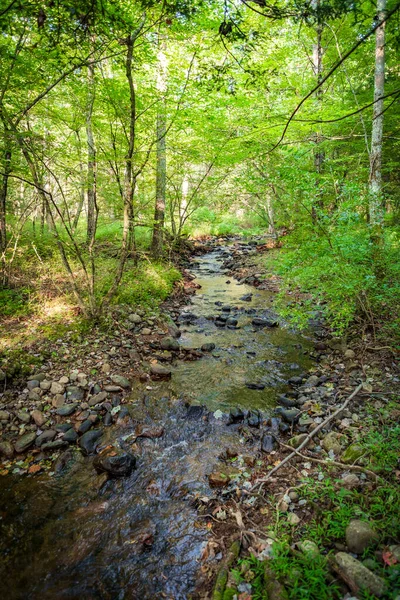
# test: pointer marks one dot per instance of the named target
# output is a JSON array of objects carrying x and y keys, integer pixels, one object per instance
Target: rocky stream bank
[{"x": 150, "y": 449}]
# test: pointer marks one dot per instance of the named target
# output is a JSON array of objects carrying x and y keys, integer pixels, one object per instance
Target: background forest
[{"x": 128, "y": 126}]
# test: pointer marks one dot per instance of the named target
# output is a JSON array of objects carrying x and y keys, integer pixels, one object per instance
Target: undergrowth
[{"x": 308, "y": 576}]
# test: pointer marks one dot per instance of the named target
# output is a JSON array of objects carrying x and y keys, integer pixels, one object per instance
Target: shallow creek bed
[{"x": 137, "y": 486}]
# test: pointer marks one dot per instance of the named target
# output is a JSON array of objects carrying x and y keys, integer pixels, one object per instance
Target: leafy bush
[{"x": 338, "y": 269}]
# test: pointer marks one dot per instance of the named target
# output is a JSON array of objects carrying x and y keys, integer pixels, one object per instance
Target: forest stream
[{"x": 72, "y": 535}]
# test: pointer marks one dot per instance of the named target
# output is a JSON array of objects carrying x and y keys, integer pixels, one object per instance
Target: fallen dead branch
[
  {"x": 260, "y": 482},
  {"x": 333, "y": 463}
]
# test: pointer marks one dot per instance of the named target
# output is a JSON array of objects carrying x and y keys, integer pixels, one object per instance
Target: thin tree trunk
[
  {"x": 376, "y": 207},
  {"x": 159, "y": 211},
  {"x": 271, "y": 217},
  {"x": 81, "y": 186},
  {"x": 91, "y": 166},
  {"x": 129, "y": 180},
  {"x": 319, "y": 154},
  {"x": 3, "y": 209},
  {"x": 129, "y": 177}
]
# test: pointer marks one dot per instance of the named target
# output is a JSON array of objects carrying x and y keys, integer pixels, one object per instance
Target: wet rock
[
  {"x": 231, "y": 322},
  {"x": 38, "y": 417},
  {"x": 357, "y": 576},
  {"x": 352, "y": 453},
  {"x": 107, "y": 419},
  {"x": 117, "y": 463},
  {"x": 295, "y": 380},
  {"x": 63, "y": 461},
  {"x": 55, "y": 445},
  {"x": 359, "y": 536},
  {"x": 218, "y": 479},
  {"x": 6, "y": 449},
  {"x": 268, "y": 443},
  {"x": 195, "y": 412},
  {"x": 247, "y": 297},
  {"x": 264, "y": 322},
  {"x": 63, "y": 427},
  {"x": 290, "y": 415},
  {"x": 66, "y": 410},
  {"x": 160, "y": 371},
  {"x": 75, "y": 393},
  {"x": 255, "y": 386},
  {"x": 254, "y": 418},
  {"x": 85, "y": 426},
  {"x": 25, "y": 442},
  {"x": 90, "y": 440},
  {"x": 46, "y": 436},
  {"x": 121, "y": 381},
  {"x": 208, "y": 347},
  {"x": 286, "y": 402},
  {"x": 331, "y": 442},
  {"x": 236, "y": 415},
  {"x": 170, "y": 344},
  {"x": 70, "y": 436}
]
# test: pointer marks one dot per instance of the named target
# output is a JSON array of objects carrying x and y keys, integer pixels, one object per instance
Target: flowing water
[{"x": 66, "y": 537}]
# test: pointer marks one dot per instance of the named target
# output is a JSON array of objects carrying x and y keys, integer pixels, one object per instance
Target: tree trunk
[
  {"x": 319, "y": 154},
  {"x": 129, "y": 180},
  {"x": 91, "y": 165},
  {"x": 82, "y": 186},
  {"x": 376, "y": 207},
  {"x": 271, "y": 218},
  {"x": 161, "y": 173},
  {"x": 3, "y": 210}
]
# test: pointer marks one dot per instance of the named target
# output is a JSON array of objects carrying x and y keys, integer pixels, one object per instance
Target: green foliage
[
  {"x": 336, "y": 268},
  {"x": 306, "y": 576},
  {"x": 15, "y": 302},
  {"x": 147, "y": 285}
]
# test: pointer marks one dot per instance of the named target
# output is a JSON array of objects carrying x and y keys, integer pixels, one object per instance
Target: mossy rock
[{"x": 352, "y": 453}]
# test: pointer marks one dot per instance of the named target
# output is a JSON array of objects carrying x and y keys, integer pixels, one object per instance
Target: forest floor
[{"x": 323, "y": 525}]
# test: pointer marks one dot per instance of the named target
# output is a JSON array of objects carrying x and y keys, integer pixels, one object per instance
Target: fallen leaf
[
  {"x": 34, "y": 469},
  {"x": 389, "y": 558}
]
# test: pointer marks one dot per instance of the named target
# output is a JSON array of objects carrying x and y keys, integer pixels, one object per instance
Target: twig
[
  {"x": 308, "y": 438},
  {"x": 333, "y": 463}
]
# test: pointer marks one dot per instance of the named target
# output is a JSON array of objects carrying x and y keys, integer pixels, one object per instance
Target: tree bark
[
  {"x": 3, "y": 209},
  {"x": 271, "y": 217},
  {"x": 82, "y": 186},
  {"x": 129, "y": 180},
  {"x": 161, "y": 173},
  {"x": 319, "y": 154},
  {"x": 91, "y": 165},
  {"x": 376, "y": 206}
]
